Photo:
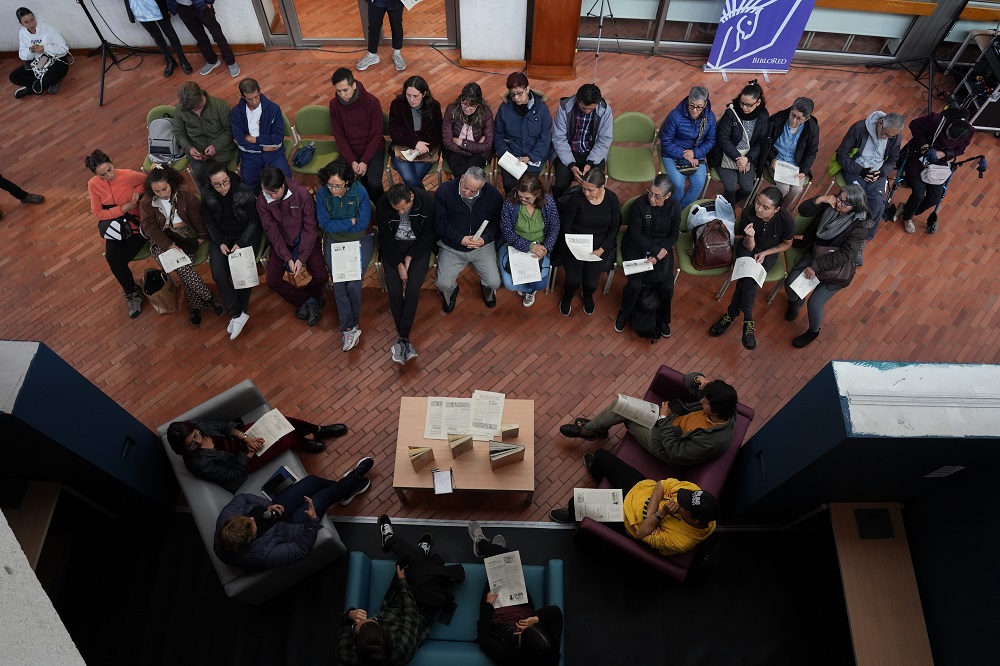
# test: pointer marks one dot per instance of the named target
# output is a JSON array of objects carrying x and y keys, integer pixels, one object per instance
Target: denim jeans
[
  {"x": 412, "y": 173},
  {"x": 697, "y": 182},
  {"x": 348, "y": 294},
  {"x": 508, "y": 280}
]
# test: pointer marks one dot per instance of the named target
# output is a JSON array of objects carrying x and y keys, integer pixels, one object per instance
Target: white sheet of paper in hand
[
  {"x": 410, "y": 4},
  {"x": 173, "y": 259},
  {"x": 410, "y": 154},
  {"x": 482, "y": 228},
  {"x": 747, "y": 267},
  {"x": 634, "y": 266},
  {"x": 786, "y": 173},
  {"x": 512, "y": 165},
  {"x": 243, "y": 268},
  {"x": 803, "y": 286},
  {"x": 345, "y": 261},
  {"x": 524, "y": 267},
  {"x": 581, "y": 245}
]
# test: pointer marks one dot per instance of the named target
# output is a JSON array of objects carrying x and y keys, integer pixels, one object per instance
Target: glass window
[
  {"x": 624, "y": 19},
  {"x": 692, "y": 21},
  {"x": 855, "y": 32}
]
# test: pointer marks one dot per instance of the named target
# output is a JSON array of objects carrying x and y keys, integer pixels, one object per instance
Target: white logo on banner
[{"x": 739, "y": 22}]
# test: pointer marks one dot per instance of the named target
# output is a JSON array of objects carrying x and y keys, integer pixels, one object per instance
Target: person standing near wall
[
  {"x": 154, "y": 17},
  {"x": 199, "y": 15},
  {"x": 377, "y": 9}
]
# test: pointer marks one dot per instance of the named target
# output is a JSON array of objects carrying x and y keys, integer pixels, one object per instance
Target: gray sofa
[{"x": 244, "y": 401}]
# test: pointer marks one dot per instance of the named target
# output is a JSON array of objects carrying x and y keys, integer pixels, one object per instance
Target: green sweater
[{"x": 210, "y": 128}]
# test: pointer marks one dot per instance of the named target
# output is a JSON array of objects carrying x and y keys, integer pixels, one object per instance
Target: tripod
[
  {"x": 930, "y": 60},
  {"x": 106, "y": 49},
  {"x": 600, "y": 29}
]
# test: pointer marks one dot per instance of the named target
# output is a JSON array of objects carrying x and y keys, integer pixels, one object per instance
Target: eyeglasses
[
  {"x": 654, "y": 195},
  {"x": 796, "y": 118},
  {"x": 842, "y": 200},
  {"x": 695, "y": 107},
  {"x": 526, "y": 199},
  {"x": 335, "y": 186},
  {"x": 750, "y": 105},
  {"x": 221, "y": 183},
  {"x": 518, "y": 93}
]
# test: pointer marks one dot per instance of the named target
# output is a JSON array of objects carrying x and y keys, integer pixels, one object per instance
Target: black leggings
[
  {"x": 24, "y": 77},
  {"x": 157, "y": 30},
  {"x": 118, "y": 254}
]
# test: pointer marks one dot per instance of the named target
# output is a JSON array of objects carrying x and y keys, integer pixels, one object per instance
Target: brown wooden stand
[{"x": 555, "y": 27}]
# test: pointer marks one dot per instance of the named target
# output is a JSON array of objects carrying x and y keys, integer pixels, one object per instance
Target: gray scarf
[{"x": 832, "y": 225}]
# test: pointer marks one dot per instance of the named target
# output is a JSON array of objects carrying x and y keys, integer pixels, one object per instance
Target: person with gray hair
[
  {"x": 259, "y": 130},
  {"x": 203, "y": 129},
  {"x": 869, "y": 150},
  {"x": 653, "y": 227},
  {"x": 467, "y": 217},
  {"x": 831, "y": 242},
  {"x": 686, "y": 137},
  {"x": 794, "y": 139}
]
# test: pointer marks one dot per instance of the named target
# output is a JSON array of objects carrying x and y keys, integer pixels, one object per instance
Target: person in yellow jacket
[{"x": 670, "y": 516}]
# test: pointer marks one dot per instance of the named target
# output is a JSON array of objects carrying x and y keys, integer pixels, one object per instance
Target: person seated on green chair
[
  {"x": 653, "y": 229},
  {"x": 203, "y": 129},
  {"x": 515, "y": 634},
  {"x": 420, "y": 590},
  {"x": 767, "y": 231},
  {"x": 795, "y": 140},
  {"x": 230, "y": 212},
  {"x": 687, "y": 433},
  {"x": 741, "y": 136},
  {"x": 670, "y": 516},
  {"x": 170, "y": 217}
]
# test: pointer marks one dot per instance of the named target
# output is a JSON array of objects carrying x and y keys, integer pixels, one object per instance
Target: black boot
[
  {"x": 185, "y": 65},
  {"x": 169, "y": 70}
]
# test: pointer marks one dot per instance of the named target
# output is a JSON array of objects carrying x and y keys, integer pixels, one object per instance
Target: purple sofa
[{"x": 667, "y": 385}]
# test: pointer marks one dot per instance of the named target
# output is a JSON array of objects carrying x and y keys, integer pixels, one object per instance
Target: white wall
[
  {"x": 33, "y": 634},
  {"x": 483, "y": 20},
  {"x": 237, "y": 17}
]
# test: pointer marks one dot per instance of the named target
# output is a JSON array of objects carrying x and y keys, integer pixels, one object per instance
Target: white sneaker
[
  {"x": 399, "y": 352},
  {"x": 369, "y": 60},
  {"x": 237, "y": 325},
  {"x": 229, "y": 328},
  {"x": 351, "y": 338},
  {"x": 397, "y": 60},
  {"x": 410, "y": 352},
  {"x": 208, "y": 67},
  {"x": 234, "y": 70},
  {"x": 529, "y": 299}
]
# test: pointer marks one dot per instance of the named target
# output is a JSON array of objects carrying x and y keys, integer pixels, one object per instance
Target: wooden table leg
[
  {"x": 401, "y": 495},
  {"x": 529, "y": 496}
]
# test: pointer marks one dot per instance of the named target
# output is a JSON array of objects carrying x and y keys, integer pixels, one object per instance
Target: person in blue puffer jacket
[
  {"x": 523, "y": 128},
  {"x": 686, "y": 137}
]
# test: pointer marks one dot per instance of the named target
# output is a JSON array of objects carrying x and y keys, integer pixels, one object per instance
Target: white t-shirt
[
  {"x": 45, "y": 35},
  {"x": 253, "y": 120}
]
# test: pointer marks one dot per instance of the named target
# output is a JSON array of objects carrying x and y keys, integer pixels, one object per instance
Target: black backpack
[{"x": 644, "y": 315}]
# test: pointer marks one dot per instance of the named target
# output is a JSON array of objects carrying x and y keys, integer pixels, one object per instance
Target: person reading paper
[{"x": 688, "y": 433}]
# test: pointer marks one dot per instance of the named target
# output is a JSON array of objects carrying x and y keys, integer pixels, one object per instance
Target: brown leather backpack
[{"x": 714, "y": 247}]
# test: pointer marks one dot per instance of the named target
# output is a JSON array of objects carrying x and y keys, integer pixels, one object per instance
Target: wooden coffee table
[{"x": 472, "y": 469}]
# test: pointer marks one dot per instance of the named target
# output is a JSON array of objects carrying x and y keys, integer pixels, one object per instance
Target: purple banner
[{"x": 758, "y": 35}]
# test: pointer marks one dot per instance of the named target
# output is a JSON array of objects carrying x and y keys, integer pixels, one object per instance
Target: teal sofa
[{"x": 455, "y": 643}]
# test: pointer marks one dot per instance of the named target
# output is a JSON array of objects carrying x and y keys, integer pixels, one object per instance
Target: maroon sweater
[
  {"x": 357, "y": 127},
  {"x": 401, "y": 125},
  {"x": 288, "y": 219}
]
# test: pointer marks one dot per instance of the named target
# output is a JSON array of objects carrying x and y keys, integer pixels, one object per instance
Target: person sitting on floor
[
  {"x": 529, "y": 222},
  {"x": 255, "y": 533},
  {"x": 421, "y": 588},
  {"x": 670, "y": 516},
  {"x": 42, "y": 50},
  {"x": 682, "y": 436},
  {"x": 219, "y": 451},
  {"x": 517, "y": 634}
]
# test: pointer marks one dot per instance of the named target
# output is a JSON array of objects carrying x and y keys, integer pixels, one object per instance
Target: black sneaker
[
  {"x": 449, "y": 304},
  {"x": 489, "y": 297},
  {"x": 573, "y": 430},
  {"x": 426, "y": 543},
  {"x": 932, "y": 227},
  {"x": 195, "y": 317},
  {"x": 385, "y": 531},
  {"x": 620, "y": 322},
  {"x": 303, "y": 312},
  {"x": 805, "y": 339},
  {"x": 363, "y": 487},
  {"x": 313, "y": 446},
  {"x": 588, "y": 306},
  {"x": 364, "y": 466},
  {"x": 316, "y": 311},
  {"x": 749, "y": 340},
  {"x": 721, "y": 326},
  {"x": 217, "y": 308},
  {"x": 588, "y": 461},
  {"x": 23, "y": 91},
  {"x": 563, "y": 515},
  {"x": 664, "y": 330},
  {"x": 565, "y": 307}
]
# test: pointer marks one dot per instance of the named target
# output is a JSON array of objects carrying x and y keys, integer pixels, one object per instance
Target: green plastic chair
[
  {"x": 767, "y": 178},
  {"x": 290, "y": 138},
  {"x": 374, "y": 261},
  {"x": 835, "y": 171},
  {"x": 160, "y": 112},
  {"x": 201, "y": 254},
  {"x": 312, "y": 121},
  {"x": 632, "y": 164},
  {"x": 792, "y": 254},
  {"x": 685, "y": 244}
]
